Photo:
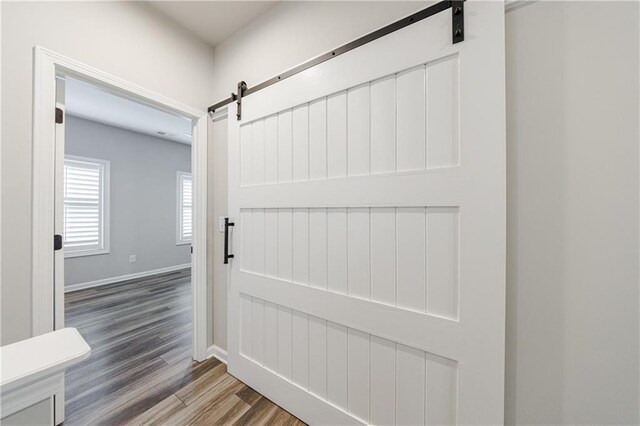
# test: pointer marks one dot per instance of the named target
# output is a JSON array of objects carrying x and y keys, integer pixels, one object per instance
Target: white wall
[
  {"x": 572, "y": 212},
  {"x": 143, "y": 197},
  {"x": 293, "y": 32},
  {"x": 218, "y": 208},
  {"x": 127, "y": 39}
]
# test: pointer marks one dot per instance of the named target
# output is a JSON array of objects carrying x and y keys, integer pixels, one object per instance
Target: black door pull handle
[{"x": 227, "y": 224}]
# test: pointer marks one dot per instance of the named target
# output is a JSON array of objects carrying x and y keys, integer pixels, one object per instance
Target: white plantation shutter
[
  {"x": 84, "y": 206},
  {"x": 185, "y": 223}
]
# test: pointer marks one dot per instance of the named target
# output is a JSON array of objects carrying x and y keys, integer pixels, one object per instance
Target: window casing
[
  {"x": 184, "y": 212},
  {"x": 86, "y": 206}
]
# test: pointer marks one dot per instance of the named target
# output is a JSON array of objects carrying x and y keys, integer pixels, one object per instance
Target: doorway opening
[
  {"x": 124, "y": 202},
  {"x": 90, "y": 215}
]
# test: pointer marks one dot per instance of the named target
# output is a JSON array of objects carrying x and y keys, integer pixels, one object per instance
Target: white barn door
[{"x": 368, "y": 194}]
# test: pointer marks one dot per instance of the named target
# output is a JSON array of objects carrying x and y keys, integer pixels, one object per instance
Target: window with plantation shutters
[
  {"x": 85, "y": 206},
  {"x": 184, "y": 211}
]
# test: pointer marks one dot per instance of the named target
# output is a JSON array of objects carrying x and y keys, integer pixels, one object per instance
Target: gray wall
[
  {"x": 38, "y": 414},
  {"x": 142, "y": 200}
]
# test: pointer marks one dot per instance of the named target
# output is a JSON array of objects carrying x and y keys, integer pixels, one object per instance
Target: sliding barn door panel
[
  {"x": 400, "y": 256},
  {"x": 366, "y": 375},
  {"x": 369, "y": 200}
]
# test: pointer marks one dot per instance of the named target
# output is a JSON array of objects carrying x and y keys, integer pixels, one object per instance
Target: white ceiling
[
  {"x": 92, "y": 103},
  {"x": 213, "y": 21}
]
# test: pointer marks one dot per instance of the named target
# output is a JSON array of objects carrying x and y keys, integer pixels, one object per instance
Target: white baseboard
[
  {"x": 105, "y": 281},
  {"x": 217, "y": 352}
]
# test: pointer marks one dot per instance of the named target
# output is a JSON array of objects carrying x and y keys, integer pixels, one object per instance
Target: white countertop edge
[{"x": 40, "y": 357}]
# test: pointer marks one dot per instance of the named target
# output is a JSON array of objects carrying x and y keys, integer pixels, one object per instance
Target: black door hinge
[
  {"x": 57, "y": 242},
  {"x": 457, "y": 21},
  {"x": 59, "y": 116}
]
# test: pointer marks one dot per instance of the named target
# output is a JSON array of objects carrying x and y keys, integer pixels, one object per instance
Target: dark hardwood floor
[{"x": 140, "y": 370}]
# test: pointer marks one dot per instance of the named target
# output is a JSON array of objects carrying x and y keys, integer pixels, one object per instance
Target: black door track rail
[{"x": 457, "y": 30}]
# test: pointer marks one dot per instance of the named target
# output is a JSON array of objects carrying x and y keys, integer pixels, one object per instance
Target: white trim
[
  {"x": 84, "y": 253},
  {"x": 30, "y": 394},
  {"x": 106, "y": 208},
  {"x": 43, "y": 192},
  {"x": 0, "y": 161},
  {"x": 105, "y": 281},
  {"x": 48, "y": 64},
  {"x": 34, "y": 368},
  {"x": 217, "y": 352},
  {"x": 199, "y": 240},
  {"x": 179, "y": 198}
]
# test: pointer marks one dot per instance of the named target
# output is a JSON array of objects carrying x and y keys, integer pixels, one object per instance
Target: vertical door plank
[
  {"x": 411, "y": 119},
  {"x": 271, "y": 242},
  {"x": 245, "y": 325},
  {"x": 301, "y": 246},
  {"x": 383, "y": 381},
  {"x": 257, "y": 157},
  {"x": 285, "y": 154},
  {"x": 337, "y": 135},
  {"x": 271, "y": 336},
  {"x": 410, "y": 386},
  {"x": 358, "y": 374},
  {"x": 246, "y": 157},
  {"x": 318, "y": 356},
  {"x": 257, "y": 332},
  {"x": 300, "y": 361},
  {"x": 337, "y": 364},
  {"x": 337, "y": 250},
  {"x": 257, "y": 257},
  {"x": 271, "y": 149},
  {"x": 442, "y": 262},
  {"x": 442, "y": 113},
  {"x": 285, "y": 244},
  {"x": 359, "y": 268},
  {"x": 318, "y": 139},
  {"x": 358, "y": 128},
  {"x": 246, "y": 240},
  {"x": 410, "y": 225},
  {"x": 441, "y": 391},
  {"x": 383, "y": 255},
  {"x": 318, "y": 248},
  {"x": 383, "y": 125},
  {"x": 301, "y": 143},
  {"x": 284, "y": 342}
]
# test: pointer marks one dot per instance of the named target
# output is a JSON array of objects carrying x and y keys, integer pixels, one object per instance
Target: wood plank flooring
[{"x": 140, "y": 370}]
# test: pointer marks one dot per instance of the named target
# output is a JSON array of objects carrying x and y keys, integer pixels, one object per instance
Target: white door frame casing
[{"x": 48, "y": 65}]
